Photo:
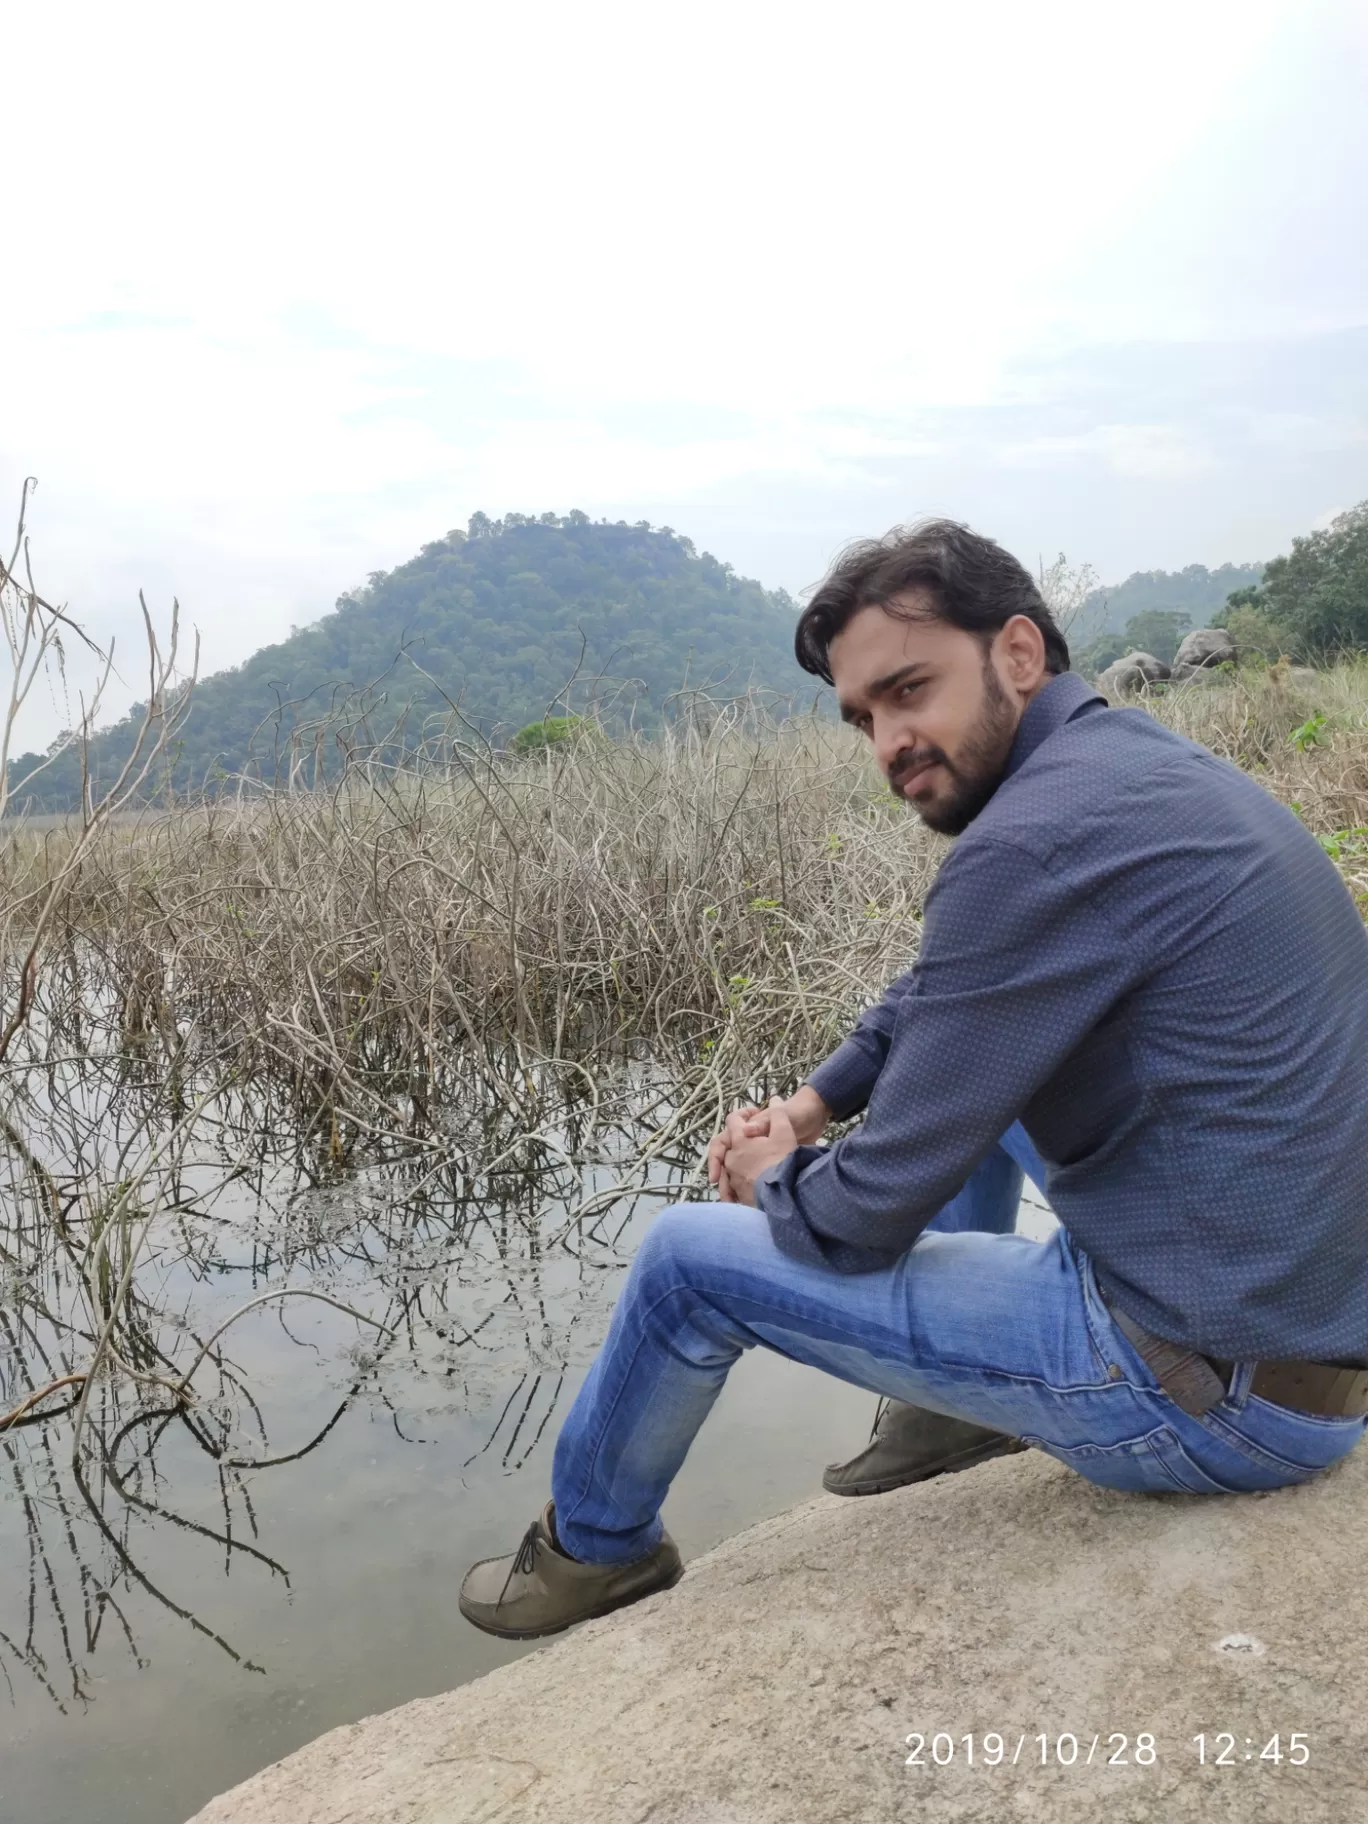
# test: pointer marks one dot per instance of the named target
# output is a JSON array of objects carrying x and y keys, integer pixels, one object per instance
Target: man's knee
[
  {"x": 687, "y": 1239},
  {"x": 674, "y": 1237}
]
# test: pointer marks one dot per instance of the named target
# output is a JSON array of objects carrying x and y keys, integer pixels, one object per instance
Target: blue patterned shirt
[{"x": 1143, "y": 956}]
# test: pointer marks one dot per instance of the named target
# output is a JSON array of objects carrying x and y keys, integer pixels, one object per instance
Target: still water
[{"x": 195, "y": 1619}]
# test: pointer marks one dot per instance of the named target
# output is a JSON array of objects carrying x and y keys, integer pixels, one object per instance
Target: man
[{"x": 1132, "y": 956}]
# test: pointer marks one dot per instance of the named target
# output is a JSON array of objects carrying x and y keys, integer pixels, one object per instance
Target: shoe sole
[
  {"x": 965, "y": 1459},
  {"x": 559, "y": 1627}
]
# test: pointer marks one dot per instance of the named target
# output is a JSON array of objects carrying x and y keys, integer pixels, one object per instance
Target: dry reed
[{"x": 513, "y": 983}]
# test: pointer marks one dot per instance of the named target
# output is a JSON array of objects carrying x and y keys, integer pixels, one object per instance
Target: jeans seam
[
  {"x": 1226, "y": 1434},
  {"x": 1181, "y": 1487},
  {"x": 567, "y": 1519},
  {"x": 608, "y": 1415},
  {"x": 1122, "y": 1446},
  {"x": 1093, "y": 1303},
  {"x": 975, "y": 1371},
  {"x": 1218, "y": 1485}
]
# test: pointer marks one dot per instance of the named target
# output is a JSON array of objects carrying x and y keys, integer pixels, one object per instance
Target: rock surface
[
  {"x": 1131, "y": 673},
  {"x": 777, "y": 1683},
  {"x": 1201, "y": 652},
  {"x": 1203, "y": 647}
]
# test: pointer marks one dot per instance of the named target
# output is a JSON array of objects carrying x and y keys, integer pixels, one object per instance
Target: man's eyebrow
[{"x": 881, "y": 686}]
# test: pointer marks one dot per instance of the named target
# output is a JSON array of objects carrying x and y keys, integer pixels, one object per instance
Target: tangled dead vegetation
[{"x": 492, "y": 995}]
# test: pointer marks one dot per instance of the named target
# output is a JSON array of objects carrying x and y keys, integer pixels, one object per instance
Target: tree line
[
  {"x": 1311, "y": 603},
  {"x": 532, "y": 620}
]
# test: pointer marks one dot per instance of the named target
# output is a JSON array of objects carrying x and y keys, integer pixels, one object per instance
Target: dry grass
[
  {"x": 537, "y": 983},
  {"x": 1252, "y": 719},
  {"x": 738, "y": 888},
  {"x": 470, "y": 962},
  {"x": 723, "y": 897},
  {"x": 486, "y": 1004}
]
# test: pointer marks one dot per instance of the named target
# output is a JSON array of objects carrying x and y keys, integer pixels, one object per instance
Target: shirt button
[{"x": 1115, "y": 1371}]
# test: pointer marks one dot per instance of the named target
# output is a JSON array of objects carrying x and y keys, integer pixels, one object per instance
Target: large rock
[
  {"x": 1203, "y": 649},
  {"x": 1132, "y": 672},
  {"x": 777, "y": 1684}
]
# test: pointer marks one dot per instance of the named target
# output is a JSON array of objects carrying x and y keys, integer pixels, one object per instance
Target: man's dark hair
[{"x": 973, "y": 583}]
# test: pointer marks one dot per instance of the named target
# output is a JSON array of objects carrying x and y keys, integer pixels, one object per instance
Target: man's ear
[{"x": 1021, "y": 648}]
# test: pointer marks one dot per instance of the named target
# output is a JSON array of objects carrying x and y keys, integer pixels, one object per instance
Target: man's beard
[{"x": 978, "y": 771}]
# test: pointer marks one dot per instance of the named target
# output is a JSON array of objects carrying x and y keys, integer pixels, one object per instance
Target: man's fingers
[
  {"x": 735, "y": 1130},
  {"x": 750, "y": 1123},
  {"x": 780, "y": 1125},
  {"x": 717, "y": 1155}
]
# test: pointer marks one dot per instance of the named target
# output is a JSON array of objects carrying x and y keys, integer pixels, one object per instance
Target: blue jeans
[{"x": 973, "y": 1321}]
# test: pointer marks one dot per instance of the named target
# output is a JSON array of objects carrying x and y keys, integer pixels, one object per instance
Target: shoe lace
[
  {"x": 524, "y": 1559},
  {"x": 879, "y": 1411}
]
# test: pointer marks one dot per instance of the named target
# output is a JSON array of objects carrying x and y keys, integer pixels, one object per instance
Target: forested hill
[
  {"x": 494, "y": 616},
  {"x": 1195, "y": 592}
]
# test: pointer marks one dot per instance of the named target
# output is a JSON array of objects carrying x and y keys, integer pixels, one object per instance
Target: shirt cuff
[
  {"x": 776, "y": 1197},
  {"x": 845, "y": 1081}
]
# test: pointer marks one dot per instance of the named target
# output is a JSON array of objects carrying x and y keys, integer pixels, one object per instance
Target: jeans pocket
[
  {"x": 1287, "y": 1446},
  {"x": 1187, "y": 1474},
  {"x": 1136, "y": 1465}
]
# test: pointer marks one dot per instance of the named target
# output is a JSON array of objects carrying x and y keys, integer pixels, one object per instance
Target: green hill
[
  {"x": 499, "y": 617},
  {"x": 1196, "y": 592}
]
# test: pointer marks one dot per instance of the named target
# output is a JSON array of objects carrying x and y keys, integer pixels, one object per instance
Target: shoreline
[{"x": 780, "y": 1679}]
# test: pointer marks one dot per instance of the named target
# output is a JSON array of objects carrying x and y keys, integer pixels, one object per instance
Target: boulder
[
  {"x": 1134, "y": 671},
  {"x": 781, "y": 1680},
  {"x": 1204, "y": 647}
]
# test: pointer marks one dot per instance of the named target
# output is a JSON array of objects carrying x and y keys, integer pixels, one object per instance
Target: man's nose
[{"x": 890, "y": 739}]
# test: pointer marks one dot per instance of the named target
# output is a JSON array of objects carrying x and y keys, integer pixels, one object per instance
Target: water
[{"x": 323, "y": 1588}]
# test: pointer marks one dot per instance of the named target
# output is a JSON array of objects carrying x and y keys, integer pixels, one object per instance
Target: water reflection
[
  {"x": 264, "y": 1289},
  {"x": 270, "y": 1377}
]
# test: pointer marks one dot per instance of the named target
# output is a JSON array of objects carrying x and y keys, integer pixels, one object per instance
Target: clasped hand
[{"x": 756, "y": 1138}]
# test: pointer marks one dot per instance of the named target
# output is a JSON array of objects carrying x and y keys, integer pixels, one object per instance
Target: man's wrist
[{"x": 808, "y": 1113}]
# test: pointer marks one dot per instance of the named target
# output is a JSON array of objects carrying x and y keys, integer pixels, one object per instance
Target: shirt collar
[{"x": 1063, "y": 698}]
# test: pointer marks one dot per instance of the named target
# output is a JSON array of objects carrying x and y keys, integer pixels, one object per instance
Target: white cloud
[
  {"x": 1138, "y": 450},
  {"x": 296, "y": 288}
]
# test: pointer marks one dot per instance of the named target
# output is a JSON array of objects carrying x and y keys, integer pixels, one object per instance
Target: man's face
[{"x": 940, "y": 710}]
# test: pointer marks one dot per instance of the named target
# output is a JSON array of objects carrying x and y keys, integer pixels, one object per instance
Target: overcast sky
[{"x": 293, "y": 289}]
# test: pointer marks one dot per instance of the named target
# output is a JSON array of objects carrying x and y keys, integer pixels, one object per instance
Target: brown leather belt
[{"x": 1330, "y": 1390}]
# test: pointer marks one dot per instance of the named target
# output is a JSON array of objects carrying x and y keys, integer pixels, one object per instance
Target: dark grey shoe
[
  {"x": 909, "y": 1444},
  {"x": 538, "y": 1590}
]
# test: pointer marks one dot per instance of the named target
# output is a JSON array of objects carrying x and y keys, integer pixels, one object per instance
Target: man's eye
[{"x": 905, "y": 690}]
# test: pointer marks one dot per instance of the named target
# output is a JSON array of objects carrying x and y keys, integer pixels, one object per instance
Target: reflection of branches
[
  {"x": 431, "y": 1236},
  {"x": 132, "y": 1570},
  {"x": 410, "y": 1039},
  {"x": 23, "y": 1413},
  {"x": 266, "y": 1298},
  {"x": 522, "y": 1418},
  {"x": 293, "y": 1456},
  {"x": 131, "y": 1499}
]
